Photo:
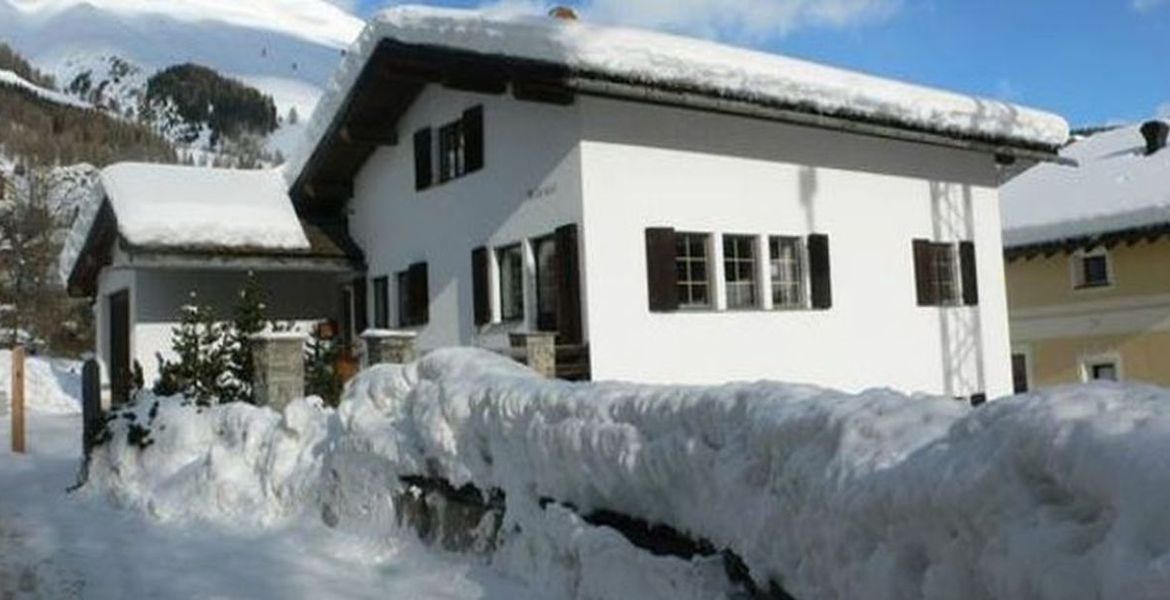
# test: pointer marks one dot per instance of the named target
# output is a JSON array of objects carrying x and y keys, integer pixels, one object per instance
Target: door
[{"x": 120, "y": 372}]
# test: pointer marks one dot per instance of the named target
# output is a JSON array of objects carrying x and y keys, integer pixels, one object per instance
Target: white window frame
[
  {"x": 498, "y": 253},
  {"x": 803, "y": 272},
  {"x": 708, "y": 259},
  {"x": 756, "y": 259},
  {"x": 1077, "y": 269},
  {"x": 1096, "y": 360}
]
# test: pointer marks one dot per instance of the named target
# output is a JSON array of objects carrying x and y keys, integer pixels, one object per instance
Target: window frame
[
  {"x": 685, "y": 303},
  {"x": 954, "y": 283},
  {"x": 1028, "y": 377},
  {"x": 737, "y": 261},
  {"x": 381, "y": 287},
  {"x": 500, "y": 252},
  {"x": 801, "y": 266},
  {"x": 545, "y": 283},
  {"x": 1090, "y": 364},
  {"x": 402, "y": 283},
  {"x": 1080, "y": 276},
  {"x": 452, "y": 157}
]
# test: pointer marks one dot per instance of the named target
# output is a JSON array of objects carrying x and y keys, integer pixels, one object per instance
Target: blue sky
[{"x": 1093, "y": 61}]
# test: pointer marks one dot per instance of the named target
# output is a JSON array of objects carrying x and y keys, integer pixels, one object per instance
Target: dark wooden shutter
[
  {"x": 970, "y": 273},
  {"x": 473, "y": 139},
  {"x": 479, "y": 286},
  {"x": 419, "y": 294},
  {"x": 423, "y": 175},
  {"x": 820, "y": 272},
  {"x": 381, "y": 302},
  {"x": 923, "y": 273},
  {"x": 569, "y": 330},
  {"x": 361, "y": 317},
  {"x": 661, "y": 274}
]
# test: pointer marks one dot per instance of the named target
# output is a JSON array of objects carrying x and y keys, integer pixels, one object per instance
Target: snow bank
[
  {"x": 1116, "y": 187},
  {"x": 877, "y": 495},
  {"x": 674, "y": 61},
  {"x": 51, "y": 385}
]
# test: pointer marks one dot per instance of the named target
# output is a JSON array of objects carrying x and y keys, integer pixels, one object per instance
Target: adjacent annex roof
[
  {"x": 192, "y": 210},
  {"x": 462, "y": 47},
  {"x": 1118, "y": 191}
]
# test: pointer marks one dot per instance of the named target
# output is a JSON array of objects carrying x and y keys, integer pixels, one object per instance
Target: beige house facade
[{"x": 1087, "y": 261}]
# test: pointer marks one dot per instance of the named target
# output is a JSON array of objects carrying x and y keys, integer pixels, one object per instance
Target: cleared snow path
[{"x": 56, "y": 545}]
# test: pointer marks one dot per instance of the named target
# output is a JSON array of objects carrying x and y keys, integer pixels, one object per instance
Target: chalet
[
  {"x": 686, "y": 211},
  {"x": 1088, "y": 262}
]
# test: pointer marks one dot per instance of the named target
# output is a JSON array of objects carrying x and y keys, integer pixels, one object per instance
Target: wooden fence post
[{"x": 18, "y": 400}]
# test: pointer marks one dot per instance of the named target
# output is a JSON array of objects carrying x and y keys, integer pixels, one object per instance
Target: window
[
  {"x": 945, "y": 273},
  {"x": 786, "y": 260},
  {"x": 382, "y": 302},
  {"x": 413, "y": 296},
  {"x": 1092, "y": 270},
  {"x": 452, "y": 161},
  {"x": 547, "y": 289},
  {"x": 694, "y": 281},
  {"x": 1020, "y": 373},
  {"x": 511, "y": 261},
  {"x": 739, "y": 270},
  {"x": 459, "y": 150},
  {"x": 1102, "y": 369}
]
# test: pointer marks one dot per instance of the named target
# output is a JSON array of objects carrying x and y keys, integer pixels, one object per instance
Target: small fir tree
[
  {"x": 201, "y": 357},
  {"x": 321, "y": 377},
  {"x": 249, "y": 319}
]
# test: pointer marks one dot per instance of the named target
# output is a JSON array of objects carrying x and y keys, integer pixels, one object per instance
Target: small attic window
[{"x": 1092, "y": 269}]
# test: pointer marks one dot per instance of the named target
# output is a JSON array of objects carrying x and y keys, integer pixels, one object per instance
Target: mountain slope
[{"x": 287, "y": 48}]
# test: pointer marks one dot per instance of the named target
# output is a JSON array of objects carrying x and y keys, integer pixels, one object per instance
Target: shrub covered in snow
[{"x": 1055, "y": 495}]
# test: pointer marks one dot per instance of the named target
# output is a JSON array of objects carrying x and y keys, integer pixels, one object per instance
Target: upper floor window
[
  {"x": 1092, "y": 269},
  {"x": 739, "y": 270},
  {"x": 694, "y": 279},
  {"x": 786, "y": 260},
  {"x": 459, "y": 150},
  {"x": 945, "y": 273}
]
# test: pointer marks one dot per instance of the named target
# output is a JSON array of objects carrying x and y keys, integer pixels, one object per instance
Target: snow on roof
[
  {"x": 663, "y": 59},
  {"x": 1116, "y": 187},
  {"x": 166, "y": 206},
  {"x": 12, "y": 79}
]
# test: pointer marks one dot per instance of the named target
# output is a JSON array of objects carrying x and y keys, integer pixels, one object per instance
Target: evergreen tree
[
  {"x": 249, "y": 318},
  {"x": 201, "y": 357},
  {"x": 321, "y": 378}
]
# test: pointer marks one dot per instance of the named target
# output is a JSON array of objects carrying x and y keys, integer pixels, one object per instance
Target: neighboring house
[
  {"x": 158, "y": 238},
  {"x": 686, "y": 211},
  {"x": 1088, "y": 262}
]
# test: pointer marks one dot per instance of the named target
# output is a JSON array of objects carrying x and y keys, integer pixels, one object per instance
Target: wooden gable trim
[
  {"x": 97, "y": 252},
  {"x": 1109, "y": 240}
]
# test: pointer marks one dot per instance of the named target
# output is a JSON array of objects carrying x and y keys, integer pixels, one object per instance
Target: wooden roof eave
[{"x": 1067, "y": 246}]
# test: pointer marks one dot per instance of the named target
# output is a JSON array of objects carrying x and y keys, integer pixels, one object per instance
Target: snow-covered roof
[
  {"x": 1115, "y": 188},
  {"x": 677, "y": 62},
  {"x": 167, "y": 206}
]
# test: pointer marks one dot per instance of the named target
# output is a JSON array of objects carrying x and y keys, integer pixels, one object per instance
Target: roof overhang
[
  {"x": 1109, "y": 240},
  {"x": 396, "y": 73}
]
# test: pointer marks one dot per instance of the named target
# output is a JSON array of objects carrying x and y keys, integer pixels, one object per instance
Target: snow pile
[
  {"x": 1056, "y": 495},
  {"x": 1116, "y": 187},
  {"x": 234, "y": 462},
  {"x": 9, "y": 78},
  {"x": 51, "y": 385},
  {"x": 678, "y": 62}
]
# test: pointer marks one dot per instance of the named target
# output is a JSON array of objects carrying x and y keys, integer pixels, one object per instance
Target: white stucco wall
[
  {"x": 156, "y": 297},
  {"x": 530, "y": 185},
  {"x": 654, "y": 167}
]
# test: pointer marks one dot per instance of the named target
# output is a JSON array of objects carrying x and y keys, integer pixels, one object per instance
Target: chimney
[
  {"x": 1155, "y": 133},
  {"x": 563, "y": 13}
]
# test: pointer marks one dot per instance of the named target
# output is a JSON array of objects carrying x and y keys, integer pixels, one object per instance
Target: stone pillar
[
  {"x": 278, "y": 361},
  {"x": 385, "y": 346},
  {"x": 539, "y": 350}
]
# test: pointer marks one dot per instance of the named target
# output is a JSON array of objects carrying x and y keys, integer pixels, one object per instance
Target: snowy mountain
[{"x": 286, "y": 48}]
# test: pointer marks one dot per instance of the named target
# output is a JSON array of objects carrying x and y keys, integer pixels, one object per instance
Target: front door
[{"x": 120, "y": 372}]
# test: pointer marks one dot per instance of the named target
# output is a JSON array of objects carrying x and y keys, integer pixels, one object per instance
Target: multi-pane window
[
  {"x": 786, "y": 261},
  {"x": 511, "y": 261},
  {"x": 739, "y": 270},
  {"x": 1103, "y": 370},
  {"x": 946, "y": 273},
  {"x": 691, "y": 261},
  {"x": 452, "y": 157},
  {"x": 545, "y": 251},
  {"x": 1092, "y": 270}
]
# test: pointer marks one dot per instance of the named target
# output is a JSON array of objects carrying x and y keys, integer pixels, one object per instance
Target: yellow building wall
[
  {"x": 1143, "y": 269},
  {"x": 1138, "y": 271},
  {"x": 1145, "y": 358}
]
